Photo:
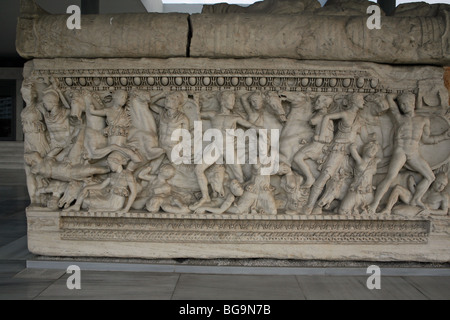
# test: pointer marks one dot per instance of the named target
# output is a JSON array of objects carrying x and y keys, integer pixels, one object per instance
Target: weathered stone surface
[
  {"x": 420, "y": 9},
  {"x": 401, "y": 40},
  {"x": 345, "y": 183},
  {"x": 447, "y": 80},
  {"x": 139, "y": 235},
  {"x": 41, "y": 35}
]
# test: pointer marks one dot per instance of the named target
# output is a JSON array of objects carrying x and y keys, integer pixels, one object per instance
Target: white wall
[
  {"x": 153, "y": 5},
  {"x": 121, "y": 6},
  {"x": 183, "y": 8}
]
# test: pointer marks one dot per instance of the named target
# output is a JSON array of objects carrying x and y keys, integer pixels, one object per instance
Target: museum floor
[{"x": 19, "y": 282}]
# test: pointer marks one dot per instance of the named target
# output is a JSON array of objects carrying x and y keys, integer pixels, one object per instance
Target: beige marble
[
  {"x": 42, "y": 35},
  {"x": 324, "y": 37}
]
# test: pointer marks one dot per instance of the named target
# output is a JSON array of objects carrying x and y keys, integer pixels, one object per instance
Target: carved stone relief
[
  {"x": 274, "y": 155},
  {"x": 101, "y": 139}
]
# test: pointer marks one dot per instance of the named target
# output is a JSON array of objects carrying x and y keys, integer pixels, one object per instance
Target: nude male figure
[
  {"x": 435, "y": 199},
  {"x": 411, "y": 129}
]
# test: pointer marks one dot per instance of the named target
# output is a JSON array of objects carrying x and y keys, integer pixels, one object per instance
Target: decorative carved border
[
  {"x": 251, "y": 230},
  {"x": 216, "y": 79}
]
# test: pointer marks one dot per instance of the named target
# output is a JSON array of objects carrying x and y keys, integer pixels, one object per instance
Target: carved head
[
  {"x": 441, "y": 182},
  {"x": 407, "y": 102},
  {"x": 355, "y": 101},
  {"x": 370, "y": 150},
  {"x": 117, "y": 161},
  {"x": 77, "y": 104},
  {"x": 167, "y": 172},
  {"x": 236, "y": 188},
  {"x": 322, "y": 102},
  {"x": 28, "y": 92},
  {"x": 227, "y": 99},
  {"x": 175, "y": 101},
  {"x": 51, "y": 100},
  {"x": 119, "y": 98},
  {"x": 256, "y": 100}
]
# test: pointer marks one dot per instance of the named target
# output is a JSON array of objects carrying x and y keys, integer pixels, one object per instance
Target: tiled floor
[{"x": 18, "y": 282}]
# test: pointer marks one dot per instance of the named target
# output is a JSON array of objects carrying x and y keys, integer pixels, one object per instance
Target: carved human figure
[
  {"x": 117, "y": 118},
  {"x": 160, "y": 191},
  {"x": 348, "y": 127},
  {"x": 171, "y": 119},
  {"x": 223, "y": 121},
  {"x": 315, "y": 149},
  {"x": 291, "y": 183},
  {"x": 33, "y": 122},
  {"x": 436, "y": 200},
  {"x": 116, "y": 194},
  {"x": 253, "y": 103},
  {"x": 360, "y": 192},
  {"x": 411, "y": 130},
  {"x": 234, "y": 201},
  {"x": 92, "y": 139},
  {"x": 57, "y": 122},
  {"x": 35, "y": 139}
]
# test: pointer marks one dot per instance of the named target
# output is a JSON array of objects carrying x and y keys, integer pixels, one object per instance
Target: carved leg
[
  {"x": 397, "y": 162},
  {"x": 348, "y": 204},
  {"x": 154, "y": 204},
  {"x": 32, "y": 186},
  {"x": 299, "y": 159},
  {"x": 203, "y": 183},
  {"x": 236, "y": 169},
  {"x": 398, "y": 192},
  {"x": 172, "y": 209},
  {"x": 314, "y": 195},
  {"x": 420, "y": 165}
]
